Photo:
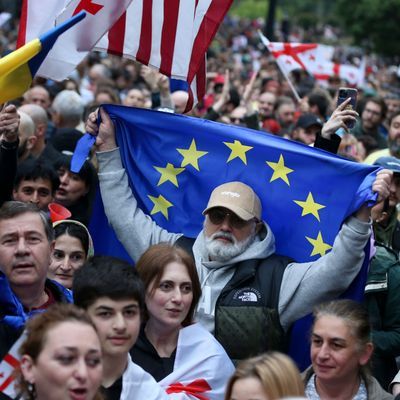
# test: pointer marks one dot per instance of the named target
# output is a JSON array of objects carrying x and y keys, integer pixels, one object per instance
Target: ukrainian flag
[{"x": 18, "y": 68}]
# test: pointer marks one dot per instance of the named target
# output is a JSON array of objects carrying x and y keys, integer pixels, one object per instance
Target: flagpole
[
  {"x": 266, "y": 42},
  {"x": 296, "y": 95}
]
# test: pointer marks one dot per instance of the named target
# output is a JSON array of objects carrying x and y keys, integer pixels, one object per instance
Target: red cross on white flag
[{"x": 8, "y": 369}]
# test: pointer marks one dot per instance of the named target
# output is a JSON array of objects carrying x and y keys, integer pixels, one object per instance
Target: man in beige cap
[{"x": 250, "y": 295}]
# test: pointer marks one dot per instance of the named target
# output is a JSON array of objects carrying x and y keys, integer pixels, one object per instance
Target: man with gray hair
[
  {"x": 68, "y": 108},
  {"x": 26, "y": 243},
  {"x": 250, "y": 295}
]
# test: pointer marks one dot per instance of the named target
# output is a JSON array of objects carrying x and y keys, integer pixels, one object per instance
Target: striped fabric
[
  {"x": 169, "y": 39},
  {"x": 169, "y": 35}
]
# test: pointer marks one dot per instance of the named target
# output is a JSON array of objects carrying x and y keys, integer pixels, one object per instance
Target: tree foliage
[{"x": 372, "y": 23}]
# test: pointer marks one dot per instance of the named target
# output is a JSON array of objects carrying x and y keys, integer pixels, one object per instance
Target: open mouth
[
  {"x": 78, "y": 393},
  {"x": 61, "y": 192}
]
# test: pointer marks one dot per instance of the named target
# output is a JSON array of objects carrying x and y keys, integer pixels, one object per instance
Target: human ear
[
  {"x": 366, "y": 353},
  {"x": 27, "y": 368}
]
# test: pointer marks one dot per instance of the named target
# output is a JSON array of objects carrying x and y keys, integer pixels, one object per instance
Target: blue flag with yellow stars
[{"x": 174, "y": 162}]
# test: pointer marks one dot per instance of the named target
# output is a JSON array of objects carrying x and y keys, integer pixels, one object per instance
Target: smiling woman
[
  {"x": 67, "y": 369},
  {"x": 172, "y": 293},
  {"x": 341, "y": 349}
]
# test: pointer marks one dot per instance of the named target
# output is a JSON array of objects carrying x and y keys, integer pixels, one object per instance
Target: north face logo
[{"x": 248, "y": 296}]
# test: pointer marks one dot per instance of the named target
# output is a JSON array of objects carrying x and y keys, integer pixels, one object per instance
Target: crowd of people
[{"x": 95, "y": 327}]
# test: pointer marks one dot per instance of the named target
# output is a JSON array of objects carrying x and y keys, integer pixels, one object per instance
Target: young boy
[
  {"x": 36, "y": 182},
  {"x": 111, "y": 292}
]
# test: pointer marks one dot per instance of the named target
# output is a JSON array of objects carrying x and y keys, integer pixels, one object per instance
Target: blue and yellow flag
[
  {"x": 18, "y": 68},
  {"x": 174, "y": 162}
]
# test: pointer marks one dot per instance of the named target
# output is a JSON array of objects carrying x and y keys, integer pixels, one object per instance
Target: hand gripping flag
[
  {"x": 19, "y": 67},
  {"x": 174, "y": 161}
]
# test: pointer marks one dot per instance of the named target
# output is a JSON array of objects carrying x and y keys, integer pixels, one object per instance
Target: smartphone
[{"x": 344, "y": 94}]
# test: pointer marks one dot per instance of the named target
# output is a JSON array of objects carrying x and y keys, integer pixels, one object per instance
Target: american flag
[{"x": 169, "y": 35}]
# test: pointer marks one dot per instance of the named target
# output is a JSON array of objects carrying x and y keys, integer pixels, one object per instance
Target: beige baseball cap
[{"x": 237, "y": 197}]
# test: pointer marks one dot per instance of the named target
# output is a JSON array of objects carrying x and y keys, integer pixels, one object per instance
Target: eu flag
[
  {"x": 174, "y": 162},
  {"x": 18, "y": 68}
]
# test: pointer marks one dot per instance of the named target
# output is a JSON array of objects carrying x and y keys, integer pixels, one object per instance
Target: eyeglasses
[
  {"x": 236, "y": 120},
  {"x": 217, "y": 217}
]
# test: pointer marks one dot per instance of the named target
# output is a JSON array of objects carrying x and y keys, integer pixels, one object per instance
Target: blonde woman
[{"x": 269, "y": 376}]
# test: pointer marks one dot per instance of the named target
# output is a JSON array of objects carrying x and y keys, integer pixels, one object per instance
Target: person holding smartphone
[{"x": 372, "y": 116}]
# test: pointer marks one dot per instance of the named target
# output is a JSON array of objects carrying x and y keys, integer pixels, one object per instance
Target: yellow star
[
  {"x": 161, "y": 204},
  {"x": 191, "y": 155},
  {"x": 168, "y": 173},
  {"x": 238, "y": 150},
  {"x": 280, "y": 170},
  {"x": 319, "y": 246},
  {"x": 309, "y": 206}
]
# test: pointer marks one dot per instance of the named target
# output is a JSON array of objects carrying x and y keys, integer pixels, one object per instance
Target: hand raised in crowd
[
  {"x": 381, "y": 186},
  {"x": 338, "y": 119},
  {"x": 150, "y": 77},
  {"x": 248, "y": 90},
  {"x": 162, "y": 83},
  {"x": 104, "y": 133},
  {"x": 224, "y": 97},
  {"x": 9, "y": 123}
]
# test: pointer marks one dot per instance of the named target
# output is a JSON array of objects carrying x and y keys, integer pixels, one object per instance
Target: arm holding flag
[
  {"x": 298, "y": 293},
  {"x": 114, "y": 185},
  {"x": 302, "y": 284},
  {"x": 9, "y": 122}
]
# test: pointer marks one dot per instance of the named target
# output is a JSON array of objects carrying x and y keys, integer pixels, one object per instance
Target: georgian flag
[
  {"x": 9, "y": 369},
  {"x": 202, "y": 368},
  {"x": 315, "y": 59}
]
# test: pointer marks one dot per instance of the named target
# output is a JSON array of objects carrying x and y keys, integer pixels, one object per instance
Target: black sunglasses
[{"x": 217, "y": 217}]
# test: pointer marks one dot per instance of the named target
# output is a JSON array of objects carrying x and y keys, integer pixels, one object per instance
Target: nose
[
  {"x": 323, "y": 352},
  {"x": 22, "y": 247},
  {"x": 65, "y": 264},
  {"x": 225, "y": 225},
  {"x": 34, "y": 198},
  {"x": 177, "y": 296},
  {"x": 119, "y": 323},
  {"x": 64, "y": 179},
  {"x": 81, "y": 371},
  {"x": 392, "y": 187}
]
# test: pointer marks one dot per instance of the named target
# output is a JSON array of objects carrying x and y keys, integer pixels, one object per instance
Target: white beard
[{"x": 222, "y": 252}]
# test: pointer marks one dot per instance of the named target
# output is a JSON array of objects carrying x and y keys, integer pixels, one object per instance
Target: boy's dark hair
[
  {"x": 320, "y": 100},
  {"x": 106, "y": 276},
  {"x": 33, "y": 169}
]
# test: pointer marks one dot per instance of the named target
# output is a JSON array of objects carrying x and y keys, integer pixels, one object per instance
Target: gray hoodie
[{"x": 303, "y": 285}]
